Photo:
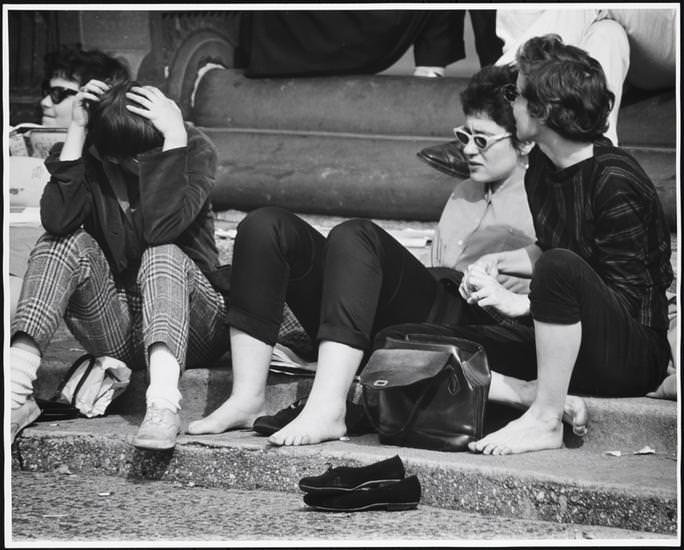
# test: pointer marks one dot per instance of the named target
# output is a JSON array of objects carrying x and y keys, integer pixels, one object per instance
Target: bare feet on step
[
  {"x": 310, "y": 427},
  {"x": 232, "y": 415},
  {"x": 575, "y": 411},
  {"x": 531, "y": 432}
]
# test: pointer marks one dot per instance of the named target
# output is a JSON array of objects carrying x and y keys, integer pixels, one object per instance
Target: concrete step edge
[{"x": 245, "y": 462}]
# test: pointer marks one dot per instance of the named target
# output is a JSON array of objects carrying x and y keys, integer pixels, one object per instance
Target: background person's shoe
[
  {"x": 158, "y": 430},
  {"x": 448, "y": 158},
  {"x": 348, "y": 478},
  {"x": 23, "y": 416},
  {"x": 399, "y": 495}
]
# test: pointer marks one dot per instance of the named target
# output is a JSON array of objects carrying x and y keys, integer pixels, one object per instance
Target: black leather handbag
[{"x": 427, "y": 391}]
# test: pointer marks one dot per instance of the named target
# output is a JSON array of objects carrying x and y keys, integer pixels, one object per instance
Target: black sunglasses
[{"x": 58, "y": 93}]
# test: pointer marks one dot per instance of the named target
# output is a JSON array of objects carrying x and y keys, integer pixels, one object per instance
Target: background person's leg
[{"x": 606, "y": 41}]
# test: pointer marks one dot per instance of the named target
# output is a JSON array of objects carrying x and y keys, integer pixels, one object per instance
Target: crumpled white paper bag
[{"x": 108, "y": 377}]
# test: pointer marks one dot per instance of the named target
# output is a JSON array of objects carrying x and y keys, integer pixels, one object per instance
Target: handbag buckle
[
  {"x": 454, "y": 386},
  {"x": 380, "y": 383}
]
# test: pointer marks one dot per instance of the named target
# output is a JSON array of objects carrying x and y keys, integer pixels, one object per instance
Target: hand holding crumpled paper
[{"x": 95, "y": 383}]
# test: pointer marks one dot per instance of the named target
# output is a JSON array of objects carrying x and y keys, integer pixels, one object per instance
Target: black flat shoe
[
  {"x": 398, "y": 495},
  {"x": 346, "y": 478},
  {"x": 270, "y": 424},
  {"x": 355, "y": 419},
  {"x": 448, "y": 158}
]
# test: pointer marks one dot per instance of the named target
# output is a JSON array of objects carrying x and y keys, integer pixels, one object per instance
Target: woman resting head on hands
[{"x": 129, "y": 229}]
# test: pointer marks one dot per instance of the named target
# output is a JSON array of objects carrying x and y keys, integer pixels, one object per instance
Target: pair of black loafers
[{"x": 378, "y": 486}]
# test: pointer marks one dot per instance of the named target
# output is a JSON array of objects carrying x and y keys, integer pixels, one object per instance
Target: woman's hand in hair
[
  {"x": 76, "y": 134},
  {"x": 91, "y": 91},
  {"x": 162, "y": 112}
]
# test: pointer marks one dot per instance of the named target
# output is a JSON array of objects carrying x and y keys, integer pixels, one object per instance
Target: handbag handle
[
  {"x": 414, "y": 411},
  {"x": 72, "y": 370}
]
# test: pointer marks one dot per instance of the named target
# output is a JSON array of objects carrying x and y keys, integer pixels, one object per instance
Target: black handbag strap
[
  {"x": 74, "y": 367},
  {"x": 416, "y": 407}
]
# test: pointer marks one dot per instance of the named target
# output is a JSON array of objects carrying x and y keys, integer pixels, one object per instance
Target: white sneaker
[{"x": 158, "y": 430}]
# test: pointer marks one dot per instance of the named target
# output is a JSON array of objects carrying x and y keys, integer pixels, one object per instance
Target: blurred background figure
[
  {"x": 275, "y": 44},
  {"x": 66, "y": 70}
]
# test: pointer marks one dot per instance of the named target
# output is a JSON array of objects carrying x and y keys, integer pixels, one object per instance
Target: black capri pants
[{"x": 360, "y": 283}]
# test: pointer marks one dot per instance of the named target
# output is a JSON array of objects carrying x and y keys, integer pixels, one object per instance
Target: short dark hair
[
  {"x": 566, "y": 87},
  {"x": 117, "y": 132},
  {"x": 485, "y": 94},
  {"x": 73, "y": 63}
]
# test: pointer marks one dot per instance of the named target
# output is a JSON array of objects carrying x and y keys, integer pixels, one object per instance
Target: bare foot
[
  {"x": 310, "y": 427},
  {"x": 576, "y": 414},
  {"x": 667, "y": 389},
  {"x": 530, "y": 432},
  {"x": 229, "y": 416},
  {"x": 575, "y": 411}
]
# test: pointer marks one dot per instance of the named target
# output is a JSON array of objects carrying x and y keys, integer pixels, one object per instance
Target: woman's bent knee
[
  {"x": 556, "y": 264},
  {"x": 353, "y": 234},
  {"x": 171, "y": 256},
  {"x": 77, "y": 242}
]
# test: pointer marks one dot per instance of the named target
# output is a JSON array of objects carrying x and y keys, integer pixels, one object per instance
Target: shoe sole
[
  {"x": 389, "y": 506},
  {"x": 373, "y": 484},
  {"x": 153, "y": 445}
]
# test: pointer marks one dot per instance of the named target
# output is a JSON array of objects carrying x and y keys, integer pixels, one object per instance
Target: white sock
[
  {"x": 23, "y": 371},
  {"x": 164, "y": 376}
]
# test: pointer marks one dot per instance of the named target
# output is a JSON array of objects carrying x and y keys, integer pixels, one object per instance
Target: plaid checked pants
[{"x": 172, "y": 303}]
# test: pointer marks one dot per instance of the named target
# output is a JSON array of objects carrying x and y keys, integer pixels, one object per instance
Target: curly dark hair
[
  {"x": 484, "y": 95},
  {"x": 73, "y": 63},
  {"x": 565, "y": 87},
  {"x": 117, "y": 132}
]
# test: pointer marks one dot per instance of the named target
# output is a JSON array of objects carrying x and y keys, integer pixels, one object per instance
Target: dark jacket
[{"x": 169, "y": 204}]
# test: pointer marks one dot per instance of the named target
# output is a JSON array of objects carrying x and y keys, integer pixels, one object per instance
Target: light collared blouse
[{"x": 478, "y": 220}]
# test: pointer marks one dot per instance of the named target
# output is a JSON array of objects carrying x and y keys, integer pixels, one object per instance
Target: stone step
[
  {"x": 624, "y": 424},
  {"x": 383, "y": 104},
  {"x": 580, "y": 486},
  {"x": 616, "y": 424},
  {"x": 580, "y": 483},
  {"x": 358, "y": 175}
]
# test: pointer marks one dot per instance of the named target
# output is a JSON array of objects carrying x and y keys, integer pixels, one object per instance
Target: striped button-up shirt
[{"x": 606, "y": 210}]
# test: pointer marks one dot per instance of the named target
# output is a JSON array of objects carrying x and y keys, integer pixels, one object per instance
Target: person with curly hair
[{"x": 600, "y": 265}]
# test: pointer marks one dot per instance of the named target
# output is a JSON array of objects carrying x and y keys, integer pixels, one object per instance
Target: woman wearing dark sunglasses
[
  {"x": 67, "y": 70},
  {"x": 359, "y": 280}
]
